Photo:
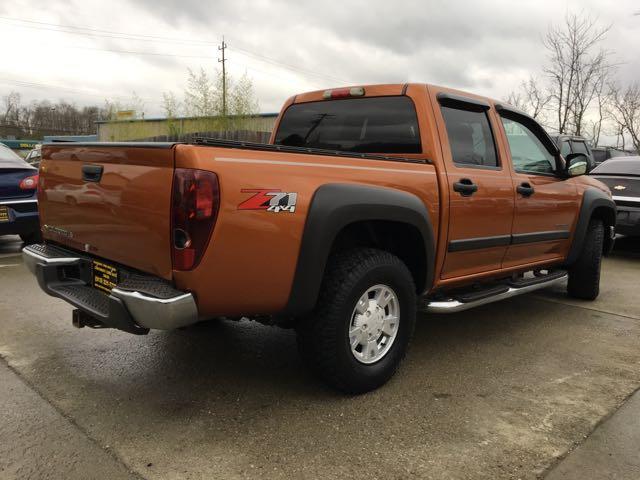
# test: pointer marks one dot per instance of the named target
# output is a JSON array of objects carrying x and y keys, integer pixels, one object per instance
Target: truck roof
[{"x": 385, "y": 89}]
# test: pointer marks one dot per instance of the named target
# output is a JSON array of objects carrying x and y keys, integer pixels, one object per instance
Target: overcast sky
[{"x": 85, "y": 50}]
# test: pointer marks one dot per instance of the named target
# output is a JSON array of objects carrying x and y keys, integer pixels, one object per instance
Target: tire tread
[
  {"x": 584, "y": 274},
  {"x": 318, "y": 333}
]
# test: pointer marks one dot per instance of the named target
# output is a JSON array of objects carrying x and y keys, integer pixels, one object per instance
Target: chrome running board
[{"x": 453, "y": 305}]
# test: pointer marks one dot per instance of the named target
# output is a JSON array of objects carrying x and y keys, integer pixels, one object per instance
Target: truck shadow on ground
[
  {"x": 246, "y": 356},
  {"x": 242, "y": 357}
]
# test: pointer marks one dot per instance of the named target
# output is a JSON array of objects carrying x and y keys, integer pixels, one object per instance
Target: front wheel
[
  {"x": 360, "y": 329},
  {"x": 584, "y": 274}
]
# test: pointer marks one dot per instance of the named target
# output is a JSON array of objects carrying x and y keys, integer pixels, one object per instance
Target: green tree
[
  {"x": 242, "y": 100},
  {"x": 201, "y": 96},
  {"x": 170, "y": 104}
]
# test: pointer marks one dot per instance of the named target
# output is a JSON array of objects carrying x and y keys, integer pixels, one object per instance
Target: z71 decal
[{"x": 270, "y": 200}]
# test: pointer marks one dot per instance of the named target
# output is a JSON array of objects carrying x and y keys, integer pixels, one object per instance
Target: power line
[
  {"x": 172, "y": 55},
  {"x": 98, "y": 32},
  {"x": 270, "y": 74},
  {"x": 288, "y": 66},
  {"x": 135, "y": 52},
  {"x": 44, "y": 86},
  {"x": 155, "y": 38}
]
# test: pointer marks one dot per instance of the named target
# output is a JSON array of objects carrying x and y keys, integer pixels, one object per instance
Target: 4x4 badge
[{"x": 270, "y": 200}]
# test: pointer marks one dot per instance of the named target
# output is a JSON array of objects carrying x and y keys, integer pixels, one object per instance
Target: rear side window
[
  {"x": 364, "y": 125},
  {"x": 599, "y": 155},
  {"x": 580, "y": 147},
  {"x": 565, "y": 148},
  {"x": 470, "y": 137}
]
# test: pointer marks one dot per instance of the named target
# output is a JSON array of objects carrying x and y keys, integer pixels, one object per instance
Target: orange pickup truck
[{"x": 368, "y": 204}]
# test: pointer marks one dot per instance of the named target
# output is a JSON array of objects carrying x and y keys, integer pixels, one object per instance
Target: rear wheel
[
  {"x": 360, "y": 329},
  {"x": 584, "y": 274}
]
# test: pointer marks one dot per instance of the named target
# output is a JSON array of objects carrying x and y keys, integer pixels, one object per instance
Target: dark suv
[{"x": 601, "y": 154}]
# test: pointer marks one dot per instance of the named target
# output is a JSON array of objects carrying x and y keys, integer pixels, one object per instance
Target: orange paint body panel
[
  {"x": 252, "y": 256},
  {"x": 124, "y": 217}
]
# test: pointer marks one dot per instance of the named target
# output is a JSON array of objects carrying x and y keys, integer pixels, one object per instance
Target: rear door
[
  {"x": 481, "y": 199},
  {"x": 111, "y": 201},
  {"x": 546, "y": 205}
]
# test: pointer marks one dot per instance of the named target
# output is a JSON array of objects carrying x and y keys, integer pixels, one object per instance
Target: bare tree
[
  {"x": 531, "y": 98},
  {"x": 625, "y": 109},
  {"x": 45, "y": 118},
  {"x": 11, "y": 115},
  {"x": 602, "y": 95},
  {"x": 620, "y": 135},
  {"x": 137, "y": 104},
  {"x": 577, "y": 67}
]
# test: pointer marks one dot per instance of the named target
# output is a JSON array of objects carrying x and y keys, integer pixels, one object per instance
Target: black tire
[
  {"x": 323, "y": 336},
  {"x": 31, "y": 238},
  {"x": 584, "y": 274}
]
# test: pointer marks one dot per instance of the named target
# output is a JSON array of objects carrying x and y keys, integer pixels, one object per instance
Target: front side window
[
  {"x": 470, "y": 137},
  {"x": 363, "y": 125},
  {"x": 528, "y": 154}
]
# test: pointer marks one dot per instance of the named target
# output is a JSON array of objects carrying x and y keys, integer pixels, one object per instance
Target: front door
[
  {"x": 546, "y": 204},
  {"x": 480, "y": 189}
]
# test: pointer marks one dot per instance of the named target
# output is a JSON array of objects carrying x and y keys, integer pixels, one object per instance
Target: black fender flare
[
  {"x": 332, "y": 208},
  {"x": 593, "y": 199}
]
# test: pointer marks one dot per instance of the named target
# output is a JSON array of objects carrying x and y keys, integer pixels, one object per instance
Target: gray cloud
[{"x": 488, "y": 46}]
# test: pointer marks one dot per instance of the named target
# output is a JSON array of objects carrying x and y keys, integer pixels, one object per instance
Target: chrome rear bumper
[
  {"x": 159, "y": 313},
  {"x": 67, "y": 275}
]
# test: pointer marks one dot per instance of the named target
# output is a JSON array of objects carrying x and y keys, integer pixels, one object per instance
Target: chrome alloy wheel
[{"x": 374, "y": 324}]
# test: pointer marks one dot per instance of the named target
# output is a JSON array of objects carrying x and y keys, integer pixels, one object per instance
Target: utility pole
[{"x": 223, "y": 60}]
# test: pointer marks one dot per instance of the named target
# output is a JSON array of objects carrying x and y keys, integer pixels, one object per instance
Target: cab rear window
[{"x": 364, "y": 125}]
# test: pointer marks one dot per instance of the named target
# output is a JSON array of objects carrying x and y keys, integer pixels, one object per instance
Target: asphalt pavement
[{"x": 526, "y": 388}]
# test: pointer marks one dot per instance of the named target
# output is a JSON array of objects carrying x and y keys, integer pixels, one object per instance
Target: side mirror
[{"x": 577, "y": 164}]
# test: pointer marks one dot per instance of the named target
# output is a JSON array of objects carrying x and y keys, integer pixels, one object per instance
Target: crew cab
[{"x": 368, "y": 204}]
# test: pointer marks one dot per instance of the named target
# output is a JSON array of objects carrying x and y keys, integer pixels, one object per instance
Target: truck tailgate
[{"x": 122, "y": 216}]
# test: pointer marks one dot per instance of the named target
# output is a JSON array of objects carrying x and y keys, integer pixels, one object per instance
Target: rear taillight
[
  {"x": 194, "y": 209},
  {"x": 29, "y": 183}
]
